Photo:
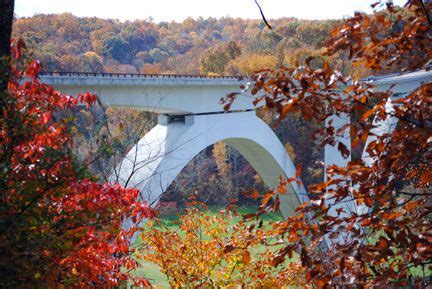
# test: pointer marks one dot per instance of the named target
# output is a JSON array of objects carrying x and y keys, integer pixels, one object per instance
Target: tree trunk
[{"x": 6, "y": 18}]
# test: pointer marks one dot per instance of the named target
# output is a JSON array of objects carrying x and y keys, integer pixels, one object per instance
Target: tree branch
[
  {"x": 429, "y": 20},
  {"x": 6, "y": 18},
  {"x": 262, "y": 15}
]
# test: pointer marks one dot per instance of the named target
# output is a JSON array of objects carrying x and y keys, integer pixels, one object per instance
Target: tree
[
  {"x": 91, "y": 62},
  {"x": 68, "y": 27},
  {"x": 232, "y": 50},
  {"x": 214, "y": 61},
  {"x": 389, "y": 239},
  {"x": 221, "y": 158},
  {"x": 314, "y": 34},
  {"x": 71, "y": 63},
  {"x": 6, "y": 18},
  {"x": 217, "y": 251},
  {"x": 116, "y": 48},
  {"x": 141, "y": 58},
  {"x": 264, "y": 41},
  {"x": 157, "y": 55},
  {"x": 58, "y": 226},
  {"x": 183, "y": 45},
  {"x": 246, "y": 64},
  {"x": 141, "y": 39},
  {"x": 148, "y": 68}
]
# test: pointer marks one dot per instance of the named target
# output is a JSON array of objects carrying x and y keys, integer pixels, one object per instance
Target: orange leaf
[
  {"x": 287, "y": 108},
  {"x": 368, "y": 201},
  {"x": 426, "y": 177},
  {"x": 282, "y": 189},
  {"x": 267, "y": 198},
  {"x": 246, "y": 257},
  {"x": 298, "y": 171},
  {"x": 368, "y": 113},
  {"x": 382, "y": 244}
]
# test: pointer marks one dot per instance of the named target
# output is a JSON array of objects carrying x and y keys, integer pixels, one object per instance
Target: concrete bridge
[
  {"x": 191, "y": 119},
  {"x": 163, "y": 94}
]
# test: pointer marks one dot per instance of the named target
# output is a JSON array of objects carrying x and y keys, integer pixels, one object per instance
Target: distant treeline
[{"x": 65, "y": 42}]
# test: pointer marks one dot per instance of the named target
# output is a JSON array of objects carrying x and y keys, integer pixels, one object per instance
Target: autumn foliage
[
  {"x": 58, "y": 226},
  {"x": 64, "y": 42},
  {"x": 215, "y": 251},
  {"x": 387, "y": 238}
]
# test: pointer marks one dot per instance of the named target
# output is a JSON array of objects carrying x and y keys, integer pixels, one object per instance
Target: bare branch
[{"x": 262, "y": 15}]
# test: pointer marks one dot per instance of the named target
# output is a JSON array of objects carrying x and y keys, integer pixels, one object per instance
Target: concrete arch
[{"x": 160, "y": 155}]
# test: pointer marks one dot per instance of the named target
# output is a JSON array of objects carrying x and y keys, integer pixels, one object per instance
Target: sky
[{"x": 178, "y": 10}]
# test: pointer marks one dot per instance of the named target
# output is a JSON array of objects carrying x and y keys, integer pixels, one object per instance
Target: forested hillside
[{"x": 202, "y": 46}]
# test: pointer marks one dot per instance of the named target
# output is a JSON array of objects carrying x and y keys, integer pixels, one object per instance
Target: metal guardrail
[{"x": 138, "y": 75}]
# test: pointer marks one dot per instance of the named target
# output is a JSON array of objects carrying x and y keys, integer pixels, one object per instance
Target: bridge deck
[
  {"x": 138, "y": 79},
  {"x": 168, "y": 94},
  {"x": 188, "y": 94},
  {"x": 400, "y": 82}
]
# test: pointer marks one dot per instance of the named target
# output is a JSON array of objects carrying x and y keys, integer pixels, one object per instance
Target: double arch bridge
[{"x": 191, "y": 118}]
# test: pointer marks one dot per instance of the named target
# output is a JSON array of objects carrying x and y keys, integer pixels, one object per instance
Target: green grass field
[{"x": 152, "y": 272}]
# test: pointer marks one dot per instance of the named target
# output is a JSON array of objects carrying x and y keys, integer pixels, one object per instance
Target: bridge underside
[{"x": 159, "y": 156}]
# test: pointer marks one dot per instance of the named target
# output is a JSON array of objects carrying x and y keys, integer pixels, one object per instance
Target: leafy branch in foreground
[
  {"x": 387, "y": 237},
  {"x": 58, "y": 227}
]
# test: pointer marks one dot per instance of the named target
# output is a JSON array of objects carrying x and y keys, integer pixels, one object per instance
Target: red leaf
[{"x": 46, "y": 118}]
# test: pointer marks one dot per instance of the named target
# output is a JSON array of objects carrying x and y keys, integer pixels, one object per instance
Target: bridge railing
[{"x": 139, "y": 75}]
